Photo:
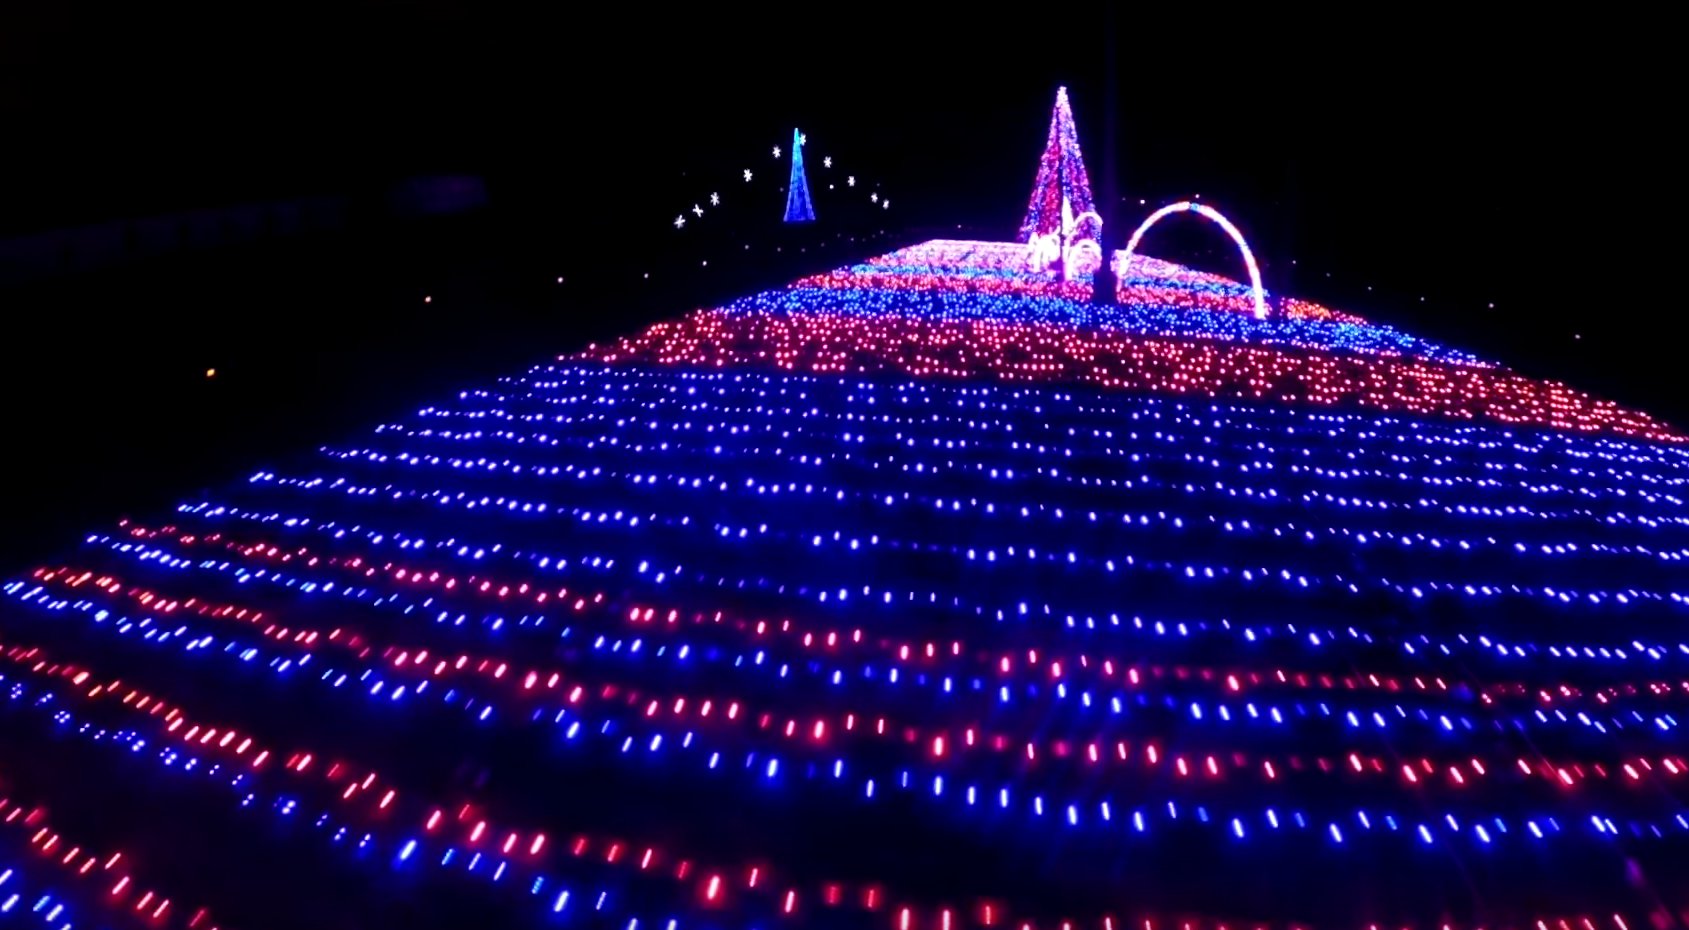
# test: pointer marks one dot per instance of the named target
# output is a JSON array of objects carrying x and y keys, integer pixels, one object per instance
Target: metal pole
[{"x": 1108, "y": 206}]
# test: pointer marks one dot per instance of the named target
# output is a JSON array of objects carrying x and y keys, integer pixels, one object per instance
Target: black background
[{"x": 1410, "y": 166}]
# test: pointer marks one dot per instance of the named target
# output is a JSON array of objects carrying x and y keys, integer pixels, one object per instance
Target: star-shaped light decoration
[
  {"x": 875, "y": 197},
  {"x": 715, "y": 199},
  {"x": 850, "y": 181},
  {"x": 777, "y": 151},
  {"x": 697, "y": 210},
  {"x": 679, "y": 221},
  {"x": 885, "y": 204},
  {"x": 803, "y": 139},
  {"x": 827, "y": 162},
  {"x": 747, "y": 175}
]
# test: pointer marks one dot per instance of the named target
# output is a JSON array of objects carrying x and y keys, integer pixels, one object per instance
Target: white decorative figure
[
  {"x": 1060, "y": 250},
  {"x": 1044, "y": 251},
  {"x": 1082, "y": 256}
]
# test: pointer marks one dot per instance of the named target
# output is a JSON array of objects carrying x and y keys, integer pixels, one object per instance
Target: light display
[
  {"x": 798, "y": 207},
  {"x": 922, "y": 594},
  {"x": 1061, "y": 208},
  {"x": 1258, "y": 293},
  {"x": 799, "y": 204}
]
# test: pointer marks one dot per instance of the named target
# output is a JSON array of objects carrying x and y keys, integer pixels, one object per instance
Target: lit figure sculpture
[
  {"x": 1062, "y": 227},
  {"x": 1256, "y": 290},
  {"x": 799, "y": 209}
]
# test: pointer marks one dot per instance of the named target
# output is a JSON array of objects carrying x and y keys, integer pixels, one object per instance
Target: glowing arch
[{"x": 1259, "y": 292}]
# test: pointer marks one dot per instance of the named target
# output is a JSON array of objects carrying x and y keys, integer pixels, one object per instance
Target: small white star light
[
  {"x": 747, "y": 175},
  {"x": 885, "y": 204},
  {"x": 875, "y": 197},
  {"x": 777, "y": 151},
  {"x": 827, "y": 162},
  {"x": 715, "y": 200},
  {"x": 697, "y": 210},
  {"x": 850, "y": 181},
  {"x": 679, "y": 221},
  {"x": 803, "y": 139}
]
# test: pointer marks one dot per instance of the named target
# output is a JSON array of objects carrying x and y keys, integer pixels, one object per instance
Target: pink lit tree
[{"x": 1061, "y": 209}]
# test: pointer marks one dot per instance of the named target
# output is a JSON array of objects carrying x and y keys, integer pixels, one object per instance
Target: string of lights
[
  {"x": 303, "y": 763},
  {"x": 835, "y": 640},
  {"x": 1035, "y": 352},
  {"x": 1458, "y": 771},
  {"x": 797, "y": 177},
  {"x": 19, "y": 901},
  {"x": 124, "y": 895}
]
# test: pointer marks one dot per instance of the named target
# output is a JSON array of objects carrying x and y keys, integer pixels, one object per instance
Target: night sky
[
  {"x": 1446, "y": 165},
  {"x": 1390, "y": 154}
]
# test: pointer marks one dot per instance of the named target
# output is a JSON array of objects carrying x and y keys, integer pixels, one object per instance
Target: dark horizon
[
  {"x": 1455, "y": 169},
  {"x": 1405, "y": 175}
]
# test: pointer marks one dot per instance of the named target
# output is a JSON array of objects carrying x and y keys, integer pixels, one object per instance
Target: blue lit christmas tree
[
  {"x": 1061, "y": 196},
  {"x": 799, "y": 208}
]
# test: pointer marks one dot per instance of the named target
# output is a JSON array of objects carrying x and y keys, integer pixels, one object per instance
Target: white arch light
[{"x": 1259, "y": 292}]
